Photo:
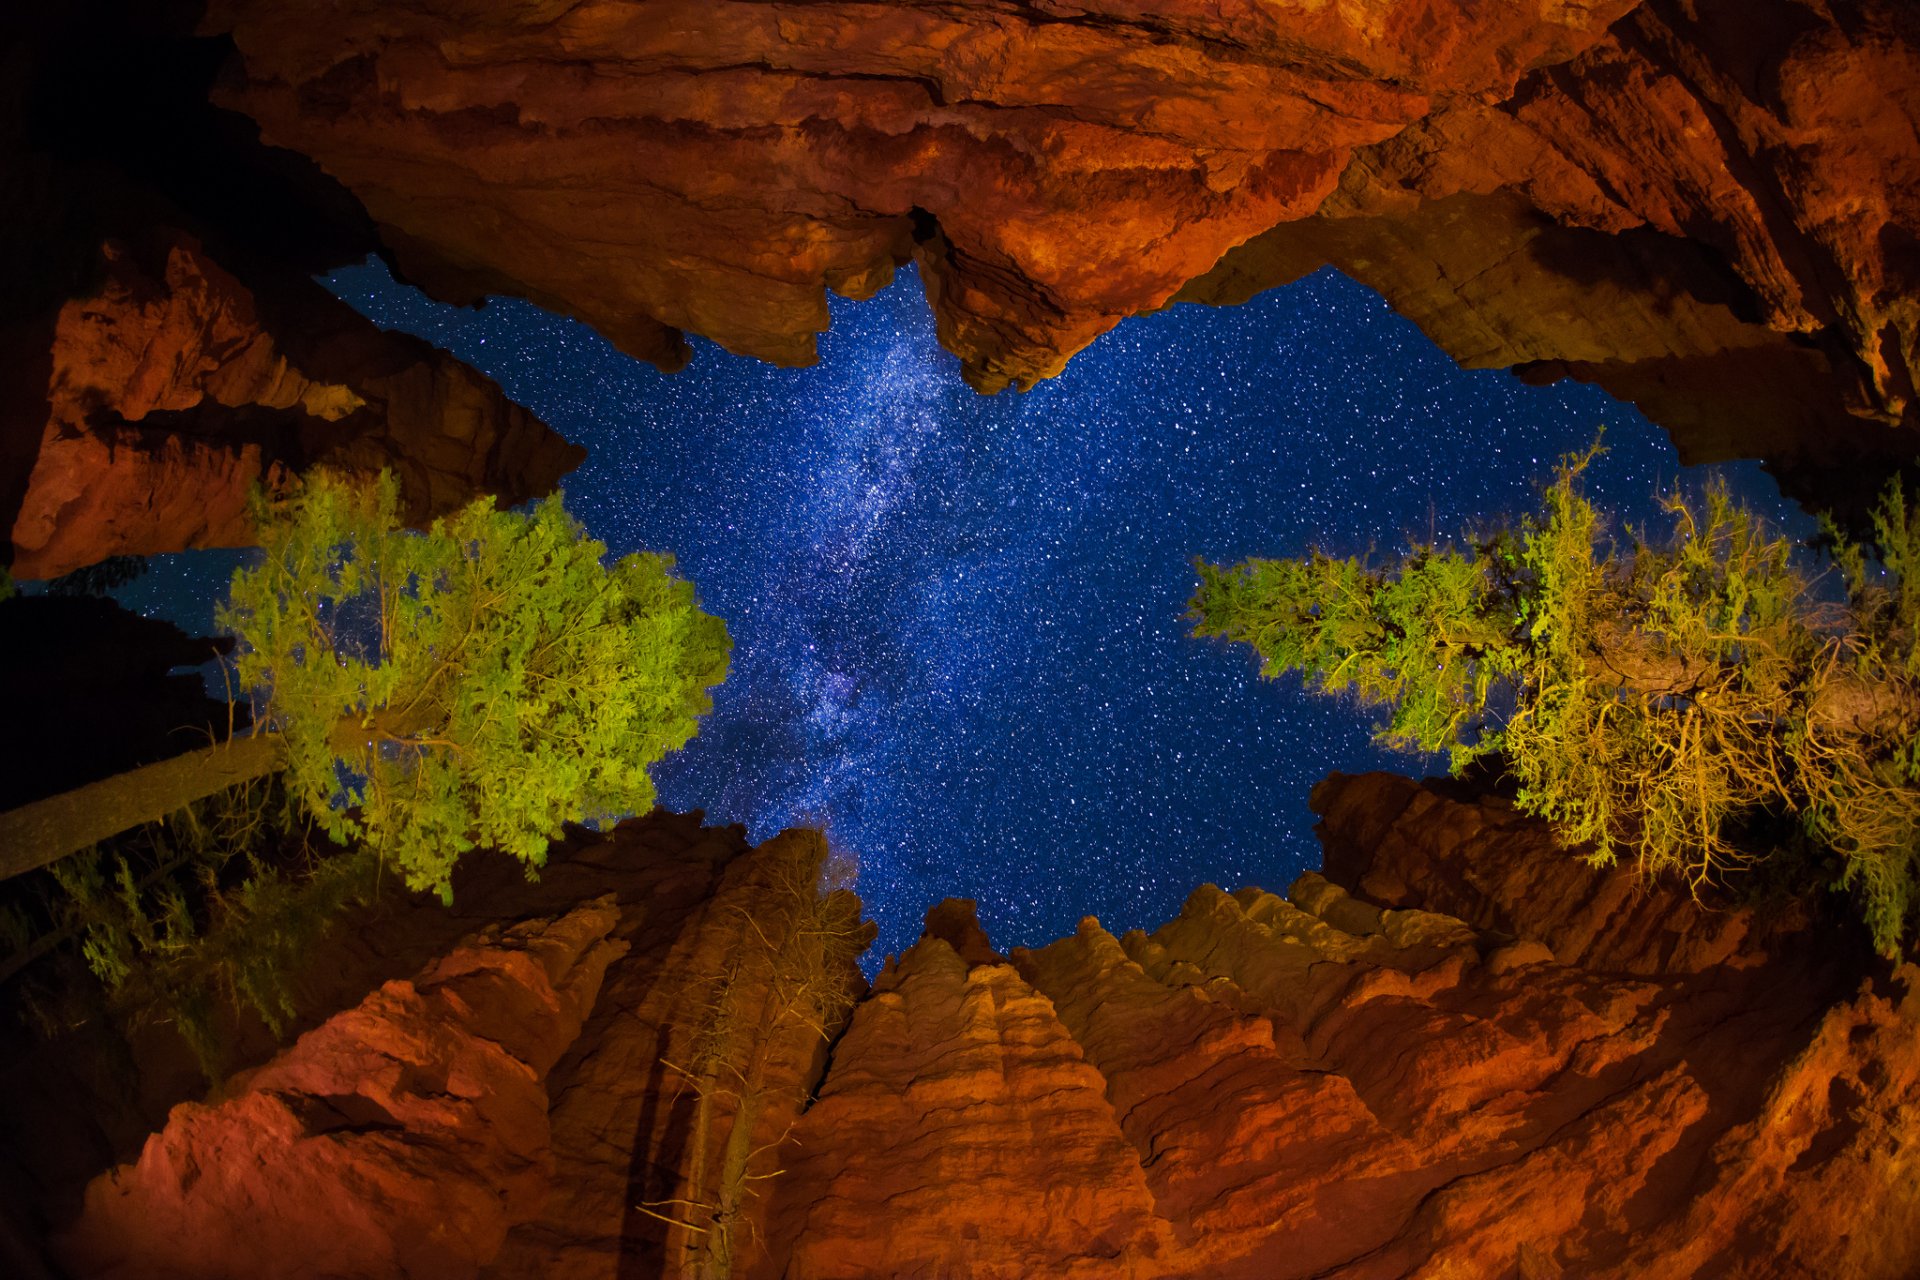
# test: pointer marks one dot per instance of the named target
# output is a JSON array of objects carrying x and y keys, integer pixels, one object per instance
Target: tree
[
  {"x": 425, "y": 694},
  {"x": 782, "y": 988},
  {"x": 1673, "y": 699}
]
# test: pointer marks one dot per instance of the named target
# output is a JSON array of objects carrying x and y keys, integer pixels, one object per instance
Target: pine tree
[
  {"x": 426, "y": 694},
  {"x": 1670, "y": 700}
]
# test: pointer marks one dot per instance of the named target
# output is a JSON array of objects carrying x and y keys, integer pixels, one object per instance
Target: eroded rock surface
[
  {"x": 1708, "y": 207},
  {"x": 173, "y": 389},
  {"x": 1319, "y": 1086},
  {"x": 399, "y": 1138},
  {"x": 714, "y": 167},
  {"x": 1545, "y": 1080},
  {"x": 1711, "y": 213}
]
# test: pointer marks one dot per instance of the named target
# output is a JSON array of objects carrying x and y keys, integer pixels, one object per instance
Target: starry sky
[{"x": 957, "y": 620}]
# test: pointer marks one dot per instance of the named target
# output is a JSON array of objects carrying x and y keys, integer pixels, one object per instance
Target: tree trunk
[
  {"x": 46, "y": 831},
  {"x": 730, "y": 1187}
]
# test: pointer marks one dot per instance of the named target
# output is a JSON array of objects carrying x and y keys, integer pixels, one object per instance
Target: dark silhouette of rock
[
  {"x": 162, "y": 345},
  {"x": 174, "y": 391}
]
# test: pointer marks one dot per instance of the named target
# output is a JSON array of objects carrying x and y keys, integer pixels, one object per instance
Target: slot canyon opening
[{"x": 959, "y": 642}]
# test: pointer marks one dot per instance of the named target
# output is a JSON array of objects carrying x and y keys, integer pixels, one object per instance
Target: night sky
[{"x": 958, "y": 641}]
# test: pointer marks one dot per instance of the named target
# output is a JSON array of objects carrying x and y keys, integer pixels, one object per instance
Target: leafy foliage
[
  {"x": 1664, "y": 700},
  {"x": 475, "y": 686},
  {"x": 208, "y": 912},
  {"x": 99, "y": 579}
]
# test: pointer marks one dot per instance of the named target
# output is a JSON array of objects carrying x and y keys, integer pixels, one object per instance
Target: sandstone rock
[
  {"x": 1299, "y": 1101},
  {"x": 1413, "y": 844},
  {"x": 1249, "y": 1091},
  {"x": 175, "y": 388},
  {"x": 626, "y": 1109},
  {"x": 1707, "y": 208},
  {"x": 1708, "y": 213},
  {"x": 960, "y": 1131},
  {"x": 716, "y": 167},
  {"x": 400, "y": 1138},
  {"x": 1517, "y": 955}
]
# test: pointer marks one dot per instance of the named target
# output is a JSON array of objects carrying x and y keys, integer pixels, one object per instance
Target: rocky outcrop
[
  {"x": 1707, "y": 208},
  {"x": 1317, "y": 1086},
  {"x": 400, "y": 1138},
  {"x": 1711, "y": 213},
  {"x": 94, "y": 688},
  {"x": 1334, "y": 1083},
  {"x": 174, "y": 389},
  {"x": 1403, "y": 843},
  {"x": 715, "y": 168},
  {"x": 961, "y": 1131},
  {"x": 650, "y": 1100}
]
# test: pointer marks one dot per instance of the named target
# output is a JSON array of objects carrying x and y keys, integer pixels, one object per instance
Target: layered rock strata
[
  {"x": 693, "y": 166},
  {"x": 528, "y": 1104},
  {"x": 1547, "y": 1080},
  {"x": 638, "y": 1150},
  {"x": 402, "y": 1137},
  {"x": 174, "y": 389},
  {"x": 1317, "y": 1086},
  {"x": 1710, "y": 213},
  {"x": 1709, "y": 208}
]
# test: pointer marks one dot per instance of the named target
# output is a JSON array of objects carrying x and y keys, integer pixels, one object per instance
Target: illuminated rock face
[
  {"x": 714, "y": 167},
  {"x": 173, "y": 389},
  {"x": 1712, "y": 212},
  {"x": 1312, "y": 1086},
  {"x": 399, "y": 1138},
  {"x": 1709, "y": 208},
  {"x": 1333, "y": 1083}
]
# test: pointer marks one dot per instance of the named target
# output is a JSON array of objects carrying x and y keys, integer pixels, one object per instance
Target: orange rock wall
[
  {"x": 715, "y": 167},
  {"x": 1333, "y": 1083},
  {"x": 1314, "y": 1086},
  {"x": 402, "y": 1137},
  {"x": 1711, "y": 213},
  {"x": 1709, "y": 207},
  {"x": 174, "y": 388}
]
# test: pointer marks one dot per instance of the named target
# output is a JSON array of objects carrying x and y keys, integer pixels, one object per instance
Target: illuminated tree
[
  {"x": 782, "y": 988},
  {"x": 476, "y": 685},
  {"x": 1664, "y": 700}
]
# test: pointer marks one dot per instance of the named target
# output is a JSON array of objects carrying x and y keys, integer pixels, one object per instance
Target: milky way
[{"x": 958, "y": 641}]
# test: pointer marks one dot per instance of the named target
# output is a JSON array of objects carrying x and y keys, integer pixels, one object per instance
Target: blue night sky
[{"x": 958, "y": 641}]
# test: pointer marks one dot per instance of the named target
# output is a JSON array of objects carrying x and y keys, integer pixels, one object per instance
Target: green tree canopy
[
  {"x": 1662, "y": 698},
  {"x": 479, "y": 684}
]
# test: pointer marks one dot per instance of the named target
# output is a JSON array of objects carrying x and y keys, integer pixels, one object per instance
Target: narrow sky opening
[{"x": 959, "y": 643}]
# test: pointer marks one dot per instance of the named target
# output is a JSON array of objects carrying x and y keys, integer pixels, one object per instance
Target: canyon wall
[
  {"x": 175, "y": 390},
  {"x": 1709, "y": 208},
  {"x": 1545, "y": 1079},
  {"x": 163, "y": 347}
]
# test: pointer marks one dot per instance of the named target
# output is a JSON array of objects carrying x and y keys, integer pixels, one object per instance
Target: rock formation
[
  {"x": 93, "y": 688},
  {"x": 715, "y": 167},
  {"x": 174, "y": 390},
  {"x": 162, "y": 344},
  {"x": 1315, "y": 1086},
  {"x": 1709, "y": 208},
  {"x": 1710, "y": 212},
  {"x": 1547, "y": 1080},
  {"x": 402, "y": 1137}
]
